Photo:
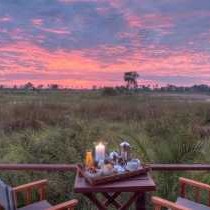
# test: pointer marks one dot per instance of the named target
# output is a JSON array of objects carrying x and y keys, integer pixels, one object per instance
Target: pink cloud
[
  {"x": 5, "y": 19},
  {"x": 152, "y": 20},
  {"x": 59, "y": 31},
  {"x": 72, "y": 1},
  {"x": 29, "y": 57},
  {"x": 23, "y": 57},
  {"x": 134, "y": 21},
  {"x": 37, "y": 22}
]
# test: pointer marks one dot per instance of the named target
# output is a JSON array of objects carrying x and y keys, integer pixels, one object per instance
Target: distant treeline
[
  {"x": 131, "y": 85},
  {"x": 166, "y": 89},
  {"x": 202, "y": 88}
]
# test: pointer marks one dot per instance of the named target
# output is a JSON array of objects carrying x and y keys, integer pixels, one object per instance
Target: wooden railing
[
  {"x": 180, "y": 167},
  {"x": 73, "y": 167},
  {"x": 38, "y": 167}
]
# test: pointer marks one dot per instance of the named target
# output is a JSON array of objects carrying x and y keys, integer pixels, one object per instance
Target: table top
[{"x": 142, "y": 183}]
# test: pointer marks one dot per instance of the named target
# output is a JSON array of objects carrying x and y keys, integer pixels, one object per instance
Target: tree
[
  {"x": 29, "y": 86},
  {"x": 53, "y": 86},
  {"x": 15, "y": 87},
  {"x": 131, "y": 79},
  {"x": 40, "y": 87}
]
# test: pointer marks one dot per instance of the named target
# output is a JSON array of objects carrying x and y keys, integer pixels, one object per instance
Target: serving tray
[{"x": 113, "y": 177}]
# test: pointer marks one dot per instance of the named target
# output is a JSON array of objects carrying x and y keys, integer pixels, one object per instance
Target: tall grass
[{"x": 58, "y": 127}]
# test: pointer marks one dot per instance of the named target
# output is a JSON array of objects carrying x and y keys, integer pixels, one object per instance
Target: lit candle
[{"x": 100, "y": 152}]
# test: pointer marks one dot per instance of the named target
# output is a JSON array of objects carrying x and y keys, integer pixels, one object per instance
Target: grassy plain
[{"x": 59, "y": 126}]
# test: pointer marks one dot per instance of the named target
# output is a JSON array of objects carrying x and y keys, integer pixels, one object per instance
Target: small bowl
[
  {"x": 132, "y": 166},
  {"x": 107, "y": 170}
]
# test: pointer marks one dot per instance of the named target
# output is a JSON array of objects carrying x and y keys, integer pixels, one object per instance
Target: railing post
[
  {"x": 197, "y": 195},
  {"x": 28, "y": 196},
  {"x": 182, "y": 189},
  {"x": 157, "y": 207},
  {"x": 209, "y": 199}
]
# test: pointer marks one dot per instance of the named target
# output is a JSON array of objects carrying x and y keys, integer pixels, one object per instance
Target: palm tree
[{"x": 131, "y": 79}]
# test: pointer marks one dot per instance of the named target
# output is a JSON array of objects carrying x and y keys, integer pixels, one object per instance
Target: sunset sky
[{"x": 81, "y": 43}]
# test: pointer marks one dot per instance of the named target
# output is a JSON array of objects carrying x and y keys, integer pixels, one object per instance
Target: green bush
[{"x": 109, "y": 91}]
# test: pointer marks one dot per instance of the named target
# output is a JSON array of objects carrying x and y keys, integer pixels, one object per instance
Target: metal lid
[
  {"x": 125, "y": 144},
  {"x": 113, "y": 154}
]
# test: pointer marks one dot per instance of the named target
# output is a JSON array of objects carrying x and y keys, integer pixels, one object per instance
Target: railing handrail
[
  {"x": 180, "y": 167},
  {"x": 38, "y": 167},
  {"x": 73, "y": 167}
]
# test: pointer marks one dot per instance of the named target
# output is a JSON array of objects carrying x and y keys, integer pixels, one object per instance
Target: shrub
[{"x": 109, "y": 91}]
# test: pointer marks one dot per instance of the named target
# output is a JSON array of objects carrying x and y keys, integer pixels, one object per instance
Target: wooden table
[{"x": 137, "y": 188}]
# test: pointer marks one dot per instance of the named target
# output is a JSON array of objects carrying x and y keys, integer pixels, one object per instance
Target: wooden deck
[{"x": 111, "y": 198}]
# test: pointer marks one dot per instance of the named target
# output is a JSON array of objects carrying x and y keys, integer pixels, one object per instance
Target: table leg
[
  {"x": 94, "y": 199},
  {"x": 111, "y": 199},
  {"x": 130, "y": 201},
  {"x": 140, "y": 202}
]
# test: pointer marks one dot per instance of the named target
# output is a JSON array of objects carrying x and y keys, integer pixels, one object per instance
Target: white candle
[{"x": 100, "y": 152}]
